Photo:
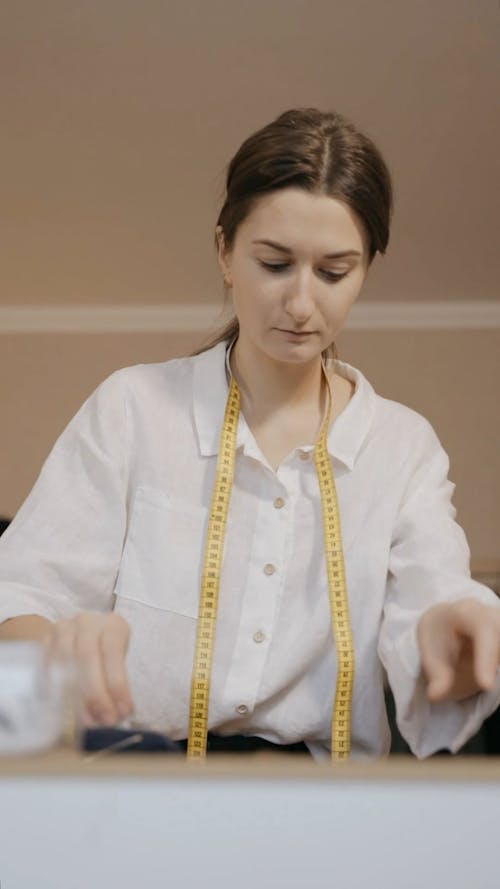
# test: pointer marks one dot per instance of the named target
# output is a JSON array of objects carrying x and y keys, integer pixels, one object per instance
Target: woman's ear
[{"x": 222, "y": 255}]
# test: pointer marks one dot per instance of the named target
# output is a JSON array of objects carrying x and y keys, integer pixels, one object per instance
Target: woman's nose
[{"x": 299, "y": 301}]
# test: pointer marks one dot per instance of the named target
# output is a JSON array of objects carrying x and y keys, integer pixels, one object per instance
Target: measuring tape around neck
[{"x": 207, "y": 617}]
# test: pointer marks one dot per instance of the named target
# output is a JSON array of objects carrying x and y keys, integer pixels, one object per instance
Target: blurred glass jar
[{"x": 38, "y": 702}]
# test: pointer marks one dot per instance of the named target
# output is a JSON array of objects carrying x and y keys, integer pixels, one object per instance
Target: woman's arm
[
  {"x": 429, "y": 566},
  {"x": 61, "y": 553},
  {"x": 60, "y": 556}
]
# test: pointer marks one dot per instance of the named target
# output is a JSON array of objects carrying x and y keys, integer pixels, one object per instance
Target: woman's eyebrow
[{"x": 326, "y": 256}]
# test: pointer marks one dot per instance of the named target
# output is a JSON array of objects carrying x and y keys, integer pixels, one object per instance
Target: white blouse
[{"x": 117, "y": 520}]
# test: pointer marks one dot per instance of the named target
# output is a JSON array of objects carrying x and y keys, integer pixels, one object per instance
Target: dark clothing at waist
[{"x": 246, "y": 744}]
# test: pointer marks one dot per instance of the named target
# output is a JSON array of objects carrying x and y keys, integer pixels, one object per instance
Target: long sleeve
[
  {"x": 62, "y": 551},
  {"x": 429, "y": 562}
]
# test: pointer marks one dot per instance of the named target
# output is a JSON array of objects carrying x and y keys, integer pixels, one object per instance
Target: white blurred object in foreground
[{"x": 35, "y": 698}]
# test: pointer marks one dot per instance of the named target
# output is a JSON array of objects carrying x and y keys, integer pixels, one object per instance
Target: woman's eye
[
  {"x": 274, "y": 266},
  {"x": 279, "y": 266},
  {"x": 334, "y": 276}
]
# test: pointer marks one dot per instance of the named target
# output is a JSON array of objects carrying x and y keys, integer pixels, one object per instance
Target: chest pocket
[{"x": 162, "y": 559}]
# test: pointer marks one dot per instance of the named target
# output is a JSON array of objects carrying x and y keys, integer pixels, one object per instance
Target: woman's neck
[{"x": 270, "y": 387}]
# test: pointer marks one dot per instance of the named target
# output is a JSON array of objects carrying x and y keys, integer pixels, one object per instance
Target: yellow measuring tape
[{"x": 200, "y": 684}]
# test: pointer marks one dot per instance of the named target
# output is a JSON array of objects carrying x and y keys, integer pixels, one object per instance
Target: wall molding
[{"x": 424, "y": 315}]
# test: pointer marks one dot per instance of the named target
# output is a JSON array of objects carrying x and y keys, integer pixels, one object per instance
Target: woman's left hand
[{"x": 459, "y": 648}]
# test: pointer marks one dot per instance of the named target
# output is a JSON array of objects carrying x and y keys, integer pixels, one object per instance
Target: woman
[{"x": 314, "y": 585}]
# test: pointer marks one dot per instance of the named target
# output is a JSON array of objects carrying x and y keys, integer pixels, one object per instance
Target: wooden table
[{"x": 151, "y": 821}]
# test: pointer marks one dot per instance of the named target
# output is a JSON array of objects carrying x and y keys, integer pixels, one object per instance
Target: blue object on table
[{"x": 121, "y": 740}]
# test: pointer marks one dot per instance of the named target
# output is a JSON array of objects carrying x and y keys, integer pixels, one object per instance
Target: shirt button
[
  {"x": 279, "y": 503},
  {"x": 242, "y": 709},
  {"x": 304, "y": 455},
  {"x": 259, "y": 636},
  {"x": 269, "y": 569}
]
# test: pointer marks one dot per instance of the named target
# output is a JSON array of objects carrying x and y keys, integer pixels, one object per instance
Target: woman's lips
[{"x": 297, "y": 334}]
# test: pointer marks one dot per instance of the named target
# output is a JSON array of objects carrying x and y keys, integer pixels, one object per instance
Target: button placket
[{"x": 259, "y": 602}]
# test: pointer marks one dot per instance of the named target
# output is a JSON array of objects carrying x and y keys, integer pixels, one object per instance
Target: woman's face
[{"x": 291, "y": 303}]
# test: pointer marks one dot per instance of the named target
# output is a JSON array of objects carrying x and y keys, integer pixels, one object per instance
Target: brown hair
[{"x": 321, "y": 152}]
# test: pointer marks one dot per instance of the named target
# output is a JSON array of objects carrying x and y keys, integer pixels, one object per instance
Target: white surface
[{"x": 69, "y": 833}]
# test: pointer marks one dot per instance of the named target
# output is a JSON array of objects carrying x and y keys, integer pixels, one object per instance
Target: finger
[
  {"x": 440, "y": 682},
  {"x": 486, "y": 646},
  {"x": 438, "y": 655},
  {"x": 91, "y": 676},
  {"x": 86, "y": 720},
  {"x": 113, "y": 643},
  {"x": 62, "y": 641},
  {"x": 481, "y": 625},
  {"x": 438, "y": 670},
  {"x": 57, "y": 643},
  {"x": 47, "y": 641}
]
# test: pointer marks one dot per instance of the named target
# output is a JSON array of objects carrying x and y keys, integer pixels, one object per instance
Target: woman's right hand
[{"x": 97, "y": 644}]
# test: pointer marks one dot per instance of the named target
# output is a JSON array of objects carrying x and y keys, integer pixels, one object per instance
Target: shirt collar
[{"x": 210, "y": 391}]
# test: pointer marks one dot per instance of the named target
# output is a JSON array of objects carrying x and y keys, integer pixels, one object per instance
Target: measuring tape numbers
[{"x": 209, "y": 597}]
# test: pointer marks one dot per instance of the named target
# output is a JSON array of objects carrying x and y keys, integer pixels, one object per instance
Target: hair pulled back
[{"x": 321, "y": 152}]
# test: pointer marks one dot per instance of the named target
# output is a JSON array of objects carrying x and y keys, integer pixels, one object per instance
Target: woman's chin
[{"x": 296, "y": 351}]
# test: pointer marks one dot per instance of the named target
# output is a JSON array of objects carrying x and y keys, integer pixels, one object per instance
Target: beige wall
[
  {"x": 119, "y": 117},
  {"x": 118, "y": 120}
]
